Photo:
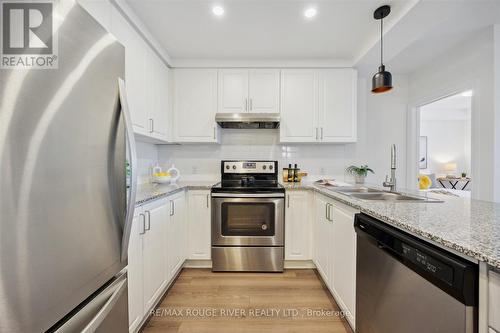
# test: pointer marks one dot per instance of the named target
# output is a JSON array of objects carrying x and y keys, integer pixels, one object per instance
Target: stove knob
[
  {"x": 270, "y": 167},
  {"x": 264, "y": 167},
  {"x": 227, "y": 167},
  {"x": 234, "y": 167}
]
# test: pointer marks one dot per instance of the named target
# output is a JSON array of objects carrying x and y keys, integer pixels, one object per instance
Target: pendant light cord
[{"x": 382, "y": 41}]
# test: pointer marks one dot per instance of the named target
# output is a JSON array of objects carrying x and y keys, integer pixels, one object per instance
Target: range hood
[{"x": 248, "y": 120}]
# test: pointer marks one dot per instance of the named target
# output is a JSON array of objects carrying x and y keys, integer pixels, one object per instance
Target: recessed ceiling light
[
  {"x": 218, "y": 10},
  {"x": 310, "y": 12},
  {"x": 467, "y": 93}
]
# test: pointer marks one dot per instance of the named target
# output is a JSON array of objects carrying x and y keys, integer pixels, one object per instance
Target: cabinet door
[
  {"x": 176, "y": 234},
  {"x": 323, "y": 239},
  {"x": 337, "y": 105},
  {"x": 135, "y": 53},
  {"x": 135, "y": 272},
  {"x": 100, "y": 10},
  {"x": 157, "y": 96},
  {"x": 233, "y": 90},
  {"x": 299, "y": 109},
  {"x": 344, "y": 257},
  {"x": 199, "y": 239},
  {"x": 264, "y": 90},
  {"x": 153, "y": 252},
  {"x": 297, "y": 228},
  {"x": 195, "y": 105}
]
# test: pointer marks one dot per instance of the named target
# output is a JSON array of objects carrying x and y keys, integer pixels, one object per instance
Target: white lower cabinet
[
  {"x": 344, "y": 258},
  {"x": 199, "y": 237},
  {"x": 134, "y": 269},
  {"x": 176, "y": 233},
  {"x": 335, "y": 251},
  {"x": 494, "y": 300},
  {"x": 298, "y": 226},
  {"x": 155, "y": 254}
]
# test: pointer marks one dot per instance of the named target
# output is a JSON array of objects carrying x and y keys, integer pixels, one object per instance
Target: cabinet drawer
[{"x": 494, "y": 300}]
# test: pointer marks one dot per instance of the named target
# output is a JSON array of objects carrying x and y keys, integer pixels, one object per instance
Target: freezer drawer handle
[{"x": 101, "y": 305}]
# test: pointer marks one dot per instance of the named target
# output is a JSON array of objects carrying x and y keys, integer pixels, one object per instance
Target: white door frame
[{"x": 413, "y": 131}]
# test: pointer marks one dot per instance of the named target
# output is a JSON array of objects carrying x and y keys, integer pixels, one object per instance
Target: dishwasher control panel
[{"x": 428, "y": 263}]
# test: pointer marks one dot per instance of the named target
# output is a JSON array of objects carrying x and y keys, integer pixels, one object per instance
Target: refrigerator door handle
[{"x": 129, "y": 217}]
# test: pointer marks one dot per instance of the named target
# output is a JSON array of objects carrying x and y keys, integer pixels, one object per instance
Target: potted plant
[{"x": 359, "y": 173}]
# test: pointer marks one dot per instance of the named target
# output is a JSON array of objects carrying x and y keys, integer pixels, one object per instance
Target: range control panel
[{"x": 243, "y": 167}]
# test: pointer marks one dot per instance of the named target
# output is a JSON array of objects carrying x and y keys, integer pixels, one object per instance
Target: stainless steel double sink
[{"x": 372, "y": 194}]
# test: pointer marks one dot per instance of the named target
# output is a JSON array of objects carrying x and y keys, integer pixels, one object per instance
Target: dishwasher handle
[{"x": 454, "y": 275}]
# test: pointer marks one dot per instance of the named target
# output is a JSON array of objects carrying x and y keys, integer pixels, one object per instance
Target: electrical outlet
[{"x": 194, "y": 170}]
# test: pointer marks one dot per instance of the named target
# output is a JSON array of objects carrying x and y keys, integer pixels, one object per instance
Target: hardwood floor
[{"x": 202, "y": 301}]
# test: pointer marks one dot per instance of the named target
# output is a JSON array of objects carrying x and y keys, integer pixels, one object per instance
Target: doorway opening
[{"x": 445, "y": 148}]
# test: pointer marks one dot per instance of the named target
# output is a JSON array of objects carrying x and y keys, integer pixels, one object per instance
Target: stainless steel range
[{"x": 248, "y": 218}]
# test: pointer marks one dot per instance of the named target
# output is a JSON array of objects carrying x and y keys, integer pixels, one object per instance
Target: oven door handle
[{"x": 248, "y": 195}]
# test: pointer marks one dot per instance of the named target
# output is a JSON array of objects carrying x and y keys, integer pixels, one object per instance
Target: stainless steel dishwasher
[{"x": 406, "y": 285}]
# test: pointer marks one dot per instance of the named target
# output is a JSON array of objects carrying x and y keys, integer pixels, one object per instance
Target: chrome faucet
[{"x": 391, "y": 183}]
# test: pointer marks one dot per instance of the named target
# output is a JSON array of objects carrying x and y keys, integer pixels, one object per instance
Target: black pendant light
[{"x": 382, "y": 80}]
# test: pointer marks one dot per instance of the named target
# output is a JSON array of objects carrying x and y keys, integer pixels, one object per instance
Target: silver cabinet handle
[
  {"x": 143, "y": 224},
  {"x": 326, "y": 211},
  {"x": 208, "y": 196},
  {"x": 316, "y": 133},
  {"x": 151, "y": 125},
  {"x": 288, "y": 200},
  {"x": 246, "y": 104},
  {"x": 321, "y": 131},
  {"x": 171, "y": 208},
  {"x": 215, "y": 132},
  {"x": 330, "y": 212},
  {"x": 251, "y": 104},
  {"x": 149, "y": 220}
]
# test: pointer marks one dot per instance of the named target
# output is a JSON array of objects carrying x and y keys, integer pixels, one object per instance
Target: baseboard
[
  {"x": 299, "y": 264},
  {"x": 290, "y": 264},
  {"x": 195, "y": 263}
]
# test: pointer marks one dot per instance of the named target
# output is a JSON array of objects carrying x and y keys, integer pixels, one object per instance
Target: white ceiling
[{"x": 266, "y": 29}]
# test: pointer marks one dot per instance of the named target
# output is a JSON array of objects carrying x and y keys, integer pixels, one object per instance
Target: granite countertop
[
  {"x": 467, "y": 226},
  {"x": 151, "y": 192}
]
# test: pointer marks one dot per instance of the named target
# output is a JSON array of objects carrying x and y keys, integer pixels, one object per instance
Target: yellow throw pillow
[{"x": 424, "y": 182}]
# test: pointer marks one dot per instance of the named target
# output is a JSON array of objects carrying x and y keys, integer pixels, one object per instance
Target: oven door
[{"x": 248, "y": 221}]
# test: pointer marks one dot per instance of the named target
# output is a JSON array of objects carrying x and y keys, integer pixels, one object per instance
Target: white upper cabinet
[
  {"x": 299, "y": 105},
  {"x": 337, "y": 105},
  {"x": 157, "y": 100},
  {"x": 244, "y": 90},
  {"x": 134, "y": 70},
  {"x": 146, "y": 79},
  {"x": 264, "y": 91},
  {"x": 195, "y": 105},
  {"x": 318, "y": 105},
  {"x": 233, "y": 90}
]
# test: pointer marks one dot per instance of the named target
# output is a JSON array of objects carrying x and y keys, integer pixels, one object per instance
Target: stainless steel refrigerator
[{"x": 65, "y": 205}]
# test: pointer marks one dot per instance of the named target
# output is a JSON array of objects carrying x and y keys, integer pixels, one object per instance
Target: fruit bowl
[{"x": 162, "y": 179}]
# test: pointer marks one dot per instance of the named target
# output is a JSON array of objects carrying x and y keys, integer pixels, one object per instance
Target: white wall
[
  {"x": 496, "y": 90},
  {"x": 203, "y": 161},
  {"x": 147, "y": 156},
  {"x": 468, "y": 65},
  {"x": 383, "y": 123},
  {"x": 447, "y": 142}
]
